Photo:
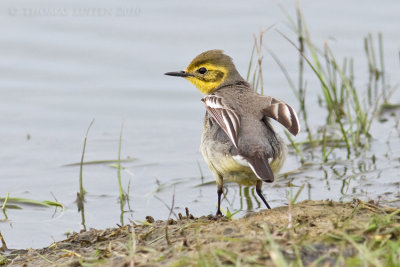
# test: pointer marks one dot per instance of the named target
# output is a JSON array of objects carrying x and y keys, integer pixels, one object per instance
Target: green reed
[
  {"x": 123, "y": 196},
  {"x": 81, "y": 194},
  {"x": 13, "y": 203}
]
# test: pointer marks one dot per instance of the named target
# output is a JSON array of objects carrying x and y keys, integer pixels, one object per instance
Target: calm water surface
[{"x": 66, "y": 63}]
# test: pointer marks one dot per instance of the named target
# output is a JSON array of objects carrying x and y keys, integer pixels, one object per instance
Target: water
[{"x": 65, "y": 63}]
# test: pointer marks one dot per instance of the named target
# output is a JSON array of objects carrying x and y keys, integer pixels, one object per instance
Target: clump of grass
[
  {"x": 342, "y": 100},
  {"x": 349, "y": 114},
  {"x": 375, "y": 243},
  {"x": 123, "y": 195},
  {"x": 228, "y": 214}
]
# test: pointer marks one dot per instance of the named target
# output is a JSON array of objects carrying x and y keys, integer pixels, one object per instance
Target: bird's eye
[{"x": 202, "y": 70}]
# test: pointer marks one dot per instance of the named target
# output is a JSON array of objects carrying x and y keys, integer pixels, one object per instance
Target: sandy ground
[{"x": 305, "y": 231}]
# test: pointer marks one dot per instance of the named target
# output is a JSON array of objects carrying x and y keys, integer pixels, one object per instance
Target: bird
[{"x": 238, "y": 141}]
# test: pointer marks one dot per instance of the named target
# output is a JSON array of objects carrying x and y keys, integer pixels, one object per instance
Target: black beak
[{"x": 178, "y": 73}]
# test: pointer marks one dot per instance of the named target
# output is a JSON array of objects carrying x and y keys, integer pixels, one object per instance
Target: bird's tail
[{"x": 261, "y": 168}]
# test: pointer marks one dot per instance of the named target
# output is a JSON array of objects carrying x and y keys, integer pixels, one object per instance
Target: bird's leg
[
  {"x": 260, "y": 194},
  {"x": 219, "y": 192}
]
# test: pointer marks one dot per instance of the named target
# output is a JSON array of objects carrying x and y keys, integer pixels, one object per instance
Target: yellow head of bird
[{"x": 209, "y": 71}]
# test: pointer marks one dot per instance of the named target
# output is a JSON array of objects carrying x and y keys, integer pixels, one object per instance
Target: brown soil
[{"x": 184, "y": 242}]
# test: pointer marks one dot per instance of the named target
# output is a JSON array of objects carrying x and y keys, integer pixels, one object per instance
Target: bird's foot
[{"x": 216, "y": 217}]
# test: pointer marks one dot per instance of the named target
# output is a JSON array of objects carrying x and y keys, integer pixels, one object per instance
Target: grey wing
[
  {"x": 283, "y": 113},
  {"x": 229, "y": 122},
  {"x": 226, "y": 117}
]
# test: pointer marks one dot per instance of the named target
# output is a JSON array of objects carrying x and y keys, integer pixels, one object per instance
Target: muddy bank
[{"x": 319, "y": 232}]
